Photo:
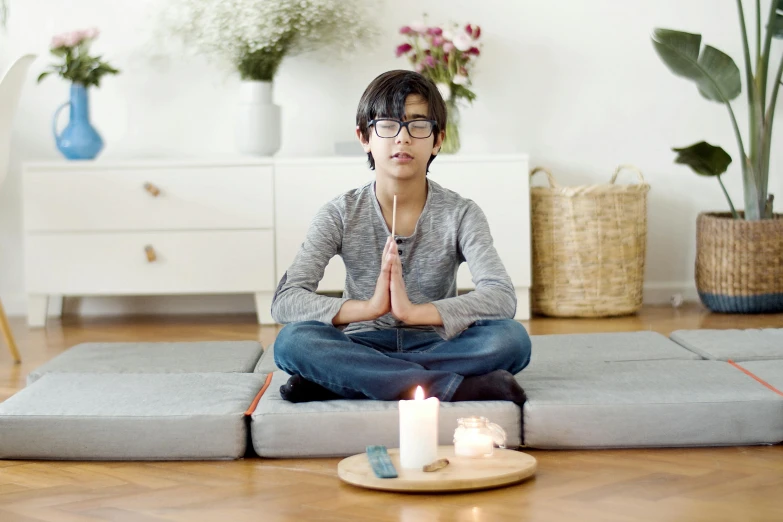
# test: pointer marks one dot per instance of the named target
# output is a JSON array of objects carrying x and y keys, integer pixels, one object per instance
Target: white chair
[{"x": 10, "y": 91}]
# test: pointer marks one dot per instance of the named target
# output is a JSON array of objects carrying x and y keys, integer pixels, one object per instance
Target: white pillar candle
[
  {"x": 418, "y": 431},
  {"x": 470, "y": 444}
]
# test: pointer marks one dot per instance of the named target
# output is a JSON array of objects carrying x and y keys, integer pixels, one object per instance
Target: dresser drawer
[
  {"x": 154, "y": 198},
  {"x": 181, "y": 262}
]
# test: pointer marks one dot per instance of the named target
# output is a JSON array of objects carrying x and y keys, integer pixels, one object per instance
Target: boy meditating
[{"x": 400, "y": 323}]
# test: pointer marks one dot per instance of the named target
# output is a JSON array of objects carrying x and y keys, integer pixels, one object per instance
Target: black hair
[{"x": 385, "y": 97}]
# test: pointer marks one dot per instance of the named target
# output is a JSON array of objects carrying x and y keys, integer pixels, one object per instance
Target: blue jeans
[{"x": 389, "y": 364}]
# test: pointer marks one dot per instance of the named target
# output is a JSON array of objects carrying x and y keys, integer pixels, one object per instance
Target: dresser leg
[
  {"x": 56, "y": 306},
  {"x": 37, "y": 308},
  {"x": 5, "y": 328},
  {"x": 523, "y": 304},
  {"x": 264, "y": 307}
]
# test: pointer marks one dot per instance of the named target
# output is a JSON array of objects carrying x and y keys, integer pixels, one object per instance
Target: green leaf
[
  {"x": 107, "y": 69},
  {"x": 713, "y": 71},
  {"x": 460, "y": 91},
  {"x": 43, "y": 75},
  {"x": 704, "y": 159}
]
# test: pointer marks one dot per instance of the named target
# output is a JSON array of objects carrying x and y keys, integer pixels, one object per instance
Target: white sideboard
[{"x": 223, "y": 226}]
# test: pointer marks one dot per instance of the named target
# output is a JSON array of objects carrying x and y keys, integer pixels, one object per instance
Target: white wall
[{"x": 575, "y": 84}]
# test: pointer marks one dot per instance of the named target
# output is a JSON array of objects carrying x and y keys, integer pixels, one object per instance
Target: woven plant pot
[
  {"x": 589, "y": 246},
  {"x": 739, "y": 264}
]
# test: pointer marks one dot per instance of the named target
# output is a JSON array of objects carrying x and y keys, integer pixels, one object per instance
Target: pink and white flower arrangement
[
  {"x": 74, "y": 38},
  {"x": 446, "y": 56},
  {"x": 78, "y": 66}
]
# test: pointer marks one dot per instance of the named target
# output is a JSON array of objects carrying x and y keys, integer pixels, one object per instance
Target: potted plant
[
  {"x": 79, "y": 140},
  {"x": 254, "y": 36},
  {"x": 739, "y": 260},
  {"x": 446, "y": 56}
]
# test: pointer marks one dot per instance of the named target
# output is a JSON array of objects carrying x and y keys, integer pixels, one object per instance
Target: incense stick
[{"x": 394, "y": 215}]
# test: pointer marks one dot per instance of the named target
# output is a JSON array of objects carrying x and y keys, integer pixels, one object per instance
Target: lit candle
[
  {"x": 471, "y": 444},
  {"x": 418, "y": 431}
]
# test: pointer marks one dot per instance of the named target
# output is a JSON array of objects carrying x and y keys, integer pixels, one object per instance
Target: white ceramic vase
[{"x": 258, "y": 119}]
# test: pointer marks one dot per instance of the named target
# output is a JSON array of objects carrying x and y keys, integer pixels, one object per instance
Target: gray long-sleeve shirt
[{"x": 450, "y": 230}]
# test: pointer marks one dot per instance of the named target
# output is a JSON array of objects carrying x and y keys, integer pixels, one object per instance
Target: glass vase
[{"x": 451, "y": 142}]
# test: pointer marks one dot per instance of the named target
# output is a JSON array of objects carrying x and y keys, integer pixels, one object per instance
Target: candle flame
[{"x": 419, "y": 395}]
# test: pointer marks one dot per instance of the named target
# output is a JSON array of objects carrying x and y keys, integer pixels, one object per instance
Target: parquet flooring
[{"x": 732, "y": 484}]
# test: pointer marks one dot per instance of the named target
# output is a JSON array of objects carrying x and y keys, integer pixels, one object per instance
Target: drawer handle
[
  {"x": 152, "y": 189},
  {"x": 151, "y": 256}
]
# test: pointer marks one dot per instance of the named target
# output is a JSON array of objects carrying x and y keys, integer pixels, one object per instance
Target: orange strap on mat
[
  {"x": 260, "y": 394},
  {"x": 751, "y": 374}
]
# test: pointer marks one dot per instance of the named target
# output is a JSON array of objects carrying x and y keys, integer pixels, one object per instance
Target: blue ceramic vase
[{"x": 78, "y": 140}]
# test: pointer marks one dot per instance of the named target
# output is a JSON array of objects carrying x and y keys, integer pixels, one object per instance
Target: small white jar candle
[
  {"x": 471, "y": 444},
  {"x": 476, "y": 437}
]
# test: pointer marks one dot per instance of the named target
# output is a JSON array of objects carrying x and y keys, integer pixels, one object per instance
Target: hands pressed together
[{"x": 390, "y": 294}]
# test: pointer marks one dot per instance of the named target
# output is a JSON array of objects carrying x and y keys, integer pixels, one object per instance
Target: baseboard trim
[
  {"x": 16, "y": 304},
  {"x": 670, "y": 293}
]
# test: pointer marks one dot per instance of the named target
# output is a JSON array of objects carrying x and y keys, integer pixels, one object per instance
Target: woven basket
[
  {"x": 739, "y": 264},
  {"x": 589, "y": 245}
]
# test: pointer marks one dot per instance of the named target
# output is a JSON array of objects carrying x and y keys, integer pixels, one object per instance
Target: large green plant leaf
[
  {"x": 713, "y": 71},
  {"x": 704, "y": 159}
]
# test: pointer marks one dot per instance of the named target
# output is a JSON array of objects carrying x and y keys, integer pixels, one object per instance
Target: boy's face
[{"x": 403, "y": 156}]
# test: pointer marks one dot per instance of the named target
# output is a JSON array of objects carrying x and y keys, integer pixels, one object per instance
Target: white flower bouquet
[{"x": 254, "y": 36}]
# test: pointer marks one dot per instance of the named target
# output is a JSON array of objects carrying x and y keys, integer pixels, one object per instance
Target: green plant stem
[
  {"x": 768, "y": 120},
  {"x": 746, "y": 50},
  {"x": 731, "y": 205},
  {"x": 758, "y": 33},
  {"x": 761, "y": 72},
  {"x": 748, "y": 169},
  {"x": 754, "y": 202},
  {"x": 755, "y": 113},
  {"x": 774, "y": 97},
  {"x": 736, "y": 131}
]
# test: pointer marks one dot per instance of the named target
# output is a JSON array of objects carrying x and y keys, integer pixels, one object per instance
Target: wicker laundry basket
[{"x": 589, "y": 245}]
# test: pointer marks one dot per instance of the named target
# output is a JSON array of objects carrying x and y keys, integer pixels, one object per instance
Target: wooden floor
[{"x": 736, "y": 484}]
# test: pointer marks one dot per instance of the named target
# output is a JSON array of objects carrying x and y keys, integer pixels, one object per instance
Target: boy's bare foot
[
  {"x": 499, "y": 385},
  {"x": 299, "y": 389}
]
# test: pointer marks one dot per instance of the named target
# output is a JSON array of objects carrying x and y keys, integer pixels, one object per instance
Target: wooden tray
[{"x": 462, "y": 474}]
